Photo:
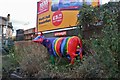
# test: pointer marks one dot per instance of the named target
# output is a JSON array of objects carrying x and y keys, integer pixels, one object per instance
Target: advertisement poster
[
  {"x": 56, "y": 14},
  {"x": 66, "y": 5}
]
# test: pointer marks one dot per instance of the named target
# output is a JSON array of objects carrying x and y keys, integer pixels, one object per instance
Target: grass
[{"x": 35, "y": 61}]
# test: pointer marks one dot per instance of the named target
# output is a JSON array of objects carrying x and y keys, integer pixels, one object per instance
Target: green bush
[{"x": 105, "y": 46}]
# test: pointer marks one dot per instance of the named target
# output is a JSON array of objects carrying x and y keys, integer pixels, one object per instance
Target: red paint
[
  {"x": 43, "y": 6},
  {"x": 72, "y": 47},
  {"x": 57, "y": 18}
]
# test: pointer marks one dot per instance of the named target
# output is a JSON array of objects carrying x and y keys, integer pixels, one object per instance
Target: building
[
  {"x": 6, "y": 29},
  {"x": 19, "y": 34},
  {"x": 3, "y": 25},
  {"x": 28, "y": 34}
]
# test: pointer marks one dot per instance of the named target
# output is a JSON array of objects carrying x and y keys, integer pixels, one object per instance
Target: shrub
[{"x": 106, "y": 46}]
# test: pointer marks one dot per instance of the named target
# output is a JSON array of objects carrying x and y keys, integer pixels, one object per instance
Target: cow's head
[{"x": 39, "y": 38}]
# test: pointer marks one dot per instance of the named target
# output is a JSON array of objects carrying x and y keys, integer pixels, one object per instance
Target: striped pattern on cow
[{"x": 60, "y": 45}]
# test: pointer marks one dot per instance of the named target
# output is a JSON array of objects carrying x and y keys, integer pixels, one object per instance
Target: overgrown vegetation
[
  {"x": 34, "y": 62},
  {"x": 105, "y": 46},
  {"x": 9, "y": 63},
  {"x": 100, "y": 61}
]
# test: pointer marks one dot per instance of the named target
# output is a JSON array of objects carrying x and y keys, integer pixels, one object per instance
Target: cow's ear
[{"x": 41, "y": 34}]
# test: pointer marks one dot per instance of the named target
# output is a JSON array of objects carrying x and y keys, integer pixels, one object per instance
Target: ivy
[
  {"x": 86, "y": 16},
  {"x": 106, "y": 46}
]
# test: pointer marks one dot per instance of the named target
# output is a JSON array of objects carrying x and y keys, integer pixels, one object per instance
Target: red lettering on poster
[
  {"x": 43, "y": 6},
  {"x": 60, "y": 33}
]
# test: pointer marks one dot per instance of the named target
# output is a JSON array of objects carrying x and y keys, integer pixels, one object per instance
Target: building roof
[{"x": 4, "y": 18}]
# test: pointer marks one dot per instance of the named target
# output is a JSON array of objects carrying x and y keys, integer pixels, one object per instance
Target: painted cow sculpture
[{"x": 62, "y": 47}]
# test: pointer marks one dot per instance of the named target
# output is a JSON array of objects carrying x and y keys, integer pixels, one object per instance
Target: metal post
[{"x": 0, "y": 51}]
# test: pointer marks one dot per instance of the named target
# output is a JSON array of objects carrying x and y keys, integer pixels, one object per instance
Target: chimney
[{"x": 8, "y": 17}]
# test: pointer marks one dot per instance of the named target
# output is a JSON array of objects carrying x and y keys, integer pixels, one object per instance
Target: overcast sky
[{"x": 22, "y": 12}]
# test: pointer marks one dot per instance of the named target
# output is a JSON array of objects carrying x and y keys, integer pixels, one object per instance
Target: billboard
[{"x": 55, "y": 14}]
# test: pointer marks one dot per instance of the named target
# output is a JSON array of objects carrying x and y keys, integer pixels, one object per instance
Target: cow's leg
[
  {"x": 51, "y": 55},
  {"x": 52, "y": 59},
  {"x": 72, "y": 56},
  {"x": 72, "y": 61},
  {"x": 81, "y": 56}
]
